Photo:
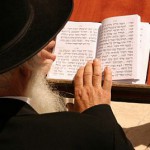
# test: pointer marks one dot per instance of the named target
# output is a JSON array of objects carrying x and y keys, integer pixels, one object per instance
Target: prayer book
[{"x": 121, "y": 42}]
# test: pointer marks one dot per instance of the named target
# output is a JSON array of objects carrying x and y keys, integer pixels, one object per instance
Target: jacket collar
[
  {"x": 14, "y": 107},
  {"x": 22, "y": 98}
]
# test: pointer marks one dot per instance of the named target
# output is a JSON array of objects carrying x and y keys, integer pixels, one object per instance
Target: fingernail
[
  {"x": 90, "y": 61},
  {"x": 96, "y": 59},
  {"x": 81, "y": 67}
]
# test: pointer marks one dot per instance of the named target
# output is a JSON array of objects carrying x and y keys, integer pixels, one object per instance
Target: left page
[{"x": 75, "y": 45}]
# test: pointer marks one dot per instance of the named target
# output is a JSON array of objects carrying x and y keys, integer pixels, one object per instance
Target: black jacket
[{"x": 21, "y": 128}]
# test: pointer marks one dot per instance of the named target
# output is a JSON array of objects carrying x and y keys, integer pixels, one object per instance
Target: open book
[{"x": 121, "y": 42}]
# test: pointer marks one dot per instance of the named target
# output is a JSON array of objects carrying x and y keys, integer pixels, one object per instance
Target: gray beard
[{"x": 43, "y": 99}]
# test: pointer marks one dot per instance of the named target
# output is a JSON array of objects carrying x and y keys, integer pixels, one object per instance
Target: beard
[{"x": 42, "y": 97}]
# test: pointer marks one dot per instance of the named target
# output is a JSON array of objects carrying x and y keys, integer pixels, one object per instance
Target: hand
[
  {"x": 89, "y": 90},
  {"x": 46, "y": 52},
  {"x": 44, "y": 59}
]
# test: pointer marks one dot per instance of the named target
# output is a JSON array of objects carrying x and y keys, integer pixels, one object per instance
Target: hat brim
[{"x": 49, "y": 18}]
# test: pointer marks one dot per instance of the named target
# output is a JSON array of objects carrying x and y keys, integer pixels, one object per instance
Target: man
[{"x": 27, "y": 26}]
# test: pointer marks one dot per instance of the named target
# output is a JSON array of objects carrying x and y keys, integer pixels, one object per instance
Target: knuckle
[
  {"x": 108, "y": 81},
  {"x": 78, "y": 91},
  {"x": 97, "y": 74},
  {"x": 77, "y": 76},
  {"x": 88, "y": 89},
  {"x": 87, "y": 73}
]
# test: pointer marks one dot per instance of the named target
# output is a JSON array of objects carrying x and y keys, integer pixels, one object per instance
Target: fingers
[
  {"x": 107, "y": 79},
  {"x": 88, "y": 72},
  {"x": 50, "y": 46},
  {"x": 47, "y": 55},
  {"x": 90, "y": 75},
  {"x": 97, "y": 73},
  {"x": 97, "y": 76},
  {"x": 78, "y": 80}
]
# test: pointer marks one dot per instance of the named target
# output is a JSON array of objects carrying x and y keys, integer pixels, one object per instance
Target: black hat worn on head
[{"x": 27, "y": 26}]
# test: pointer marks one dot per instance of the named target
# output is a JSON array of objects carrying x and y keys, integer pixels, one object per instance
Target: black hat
[{"x": 26, "y": 26}]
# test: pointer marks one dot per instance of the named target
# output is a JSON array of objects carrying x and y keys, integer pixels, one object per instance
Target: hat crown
[
  {"x": 27, "y": 26},
  {"x": 13, "y": 16}
]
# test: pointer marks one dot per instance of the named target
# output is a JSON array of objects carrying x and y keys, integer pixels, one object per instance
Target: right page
[
  {"x": 119, "y": 46},
  {"x": 145, "y": 49}
]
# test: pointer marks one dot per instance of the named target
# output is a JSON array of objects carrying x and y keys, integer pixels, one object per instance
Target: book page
[
  {"x": 144, "y": 53},
  {"x": 75, "y": 45},
  {"x": 118, "y": 46},
  {"x": 145, "y": 49}
]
